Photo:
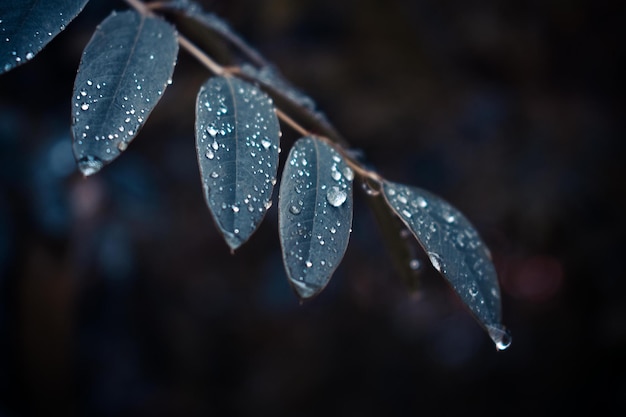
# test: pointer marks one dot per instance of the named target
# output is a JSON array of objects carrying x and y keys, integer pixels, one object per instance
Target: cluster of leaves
[{"x": 128, "y": 64}]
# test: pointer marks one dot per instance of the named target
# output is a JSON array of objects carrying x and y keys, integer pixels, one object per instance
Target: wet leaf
[
  {"x": 455, "y": 249},
  {"x": 291, "y": 98},
  {"x": 314, "y": 214},
  {"x": 215, "y": 24},
  {"x": 123, "y": 72},
  {"x": 27, "y": 26},
  {"x": 237, "y": 140},
  {"x": 399, "y": 241}
]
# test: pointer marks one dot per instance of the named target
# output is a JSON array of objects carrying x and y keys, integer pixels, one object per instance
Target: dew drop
[
  {"x": 500, "y": 336},
  {"x": 266, "y": 143},
  {"x": 211, "y": 131},
  {"x": 294, "y": 209},
  {"x": 209, "y": 154},
  {"x": 436, "y": 260},
  {"x": 348, "y": 173},
  {"x": 85, "y": 106},
  {"x": 473, "y": 291},
  {"x": 214, "y": 174},
  {"x": 89, "y": 165},
  {"x": 308, "y": 264},
  {"x": 336, "y": 196}
]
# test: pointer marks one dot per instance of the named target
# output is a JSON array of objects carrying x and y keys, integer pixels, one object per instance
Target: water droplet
[
  {"x": 209, "y": 154},
  {"x": 266, "y": 143},
  {"x": 500, "y": 336},
  {"x": 85, "y": 106},
  {"x": 308, "y": 264},
  {"x": 436, "y": 260},
  {"x": 89, "y": 165},
  {"x": 211, "y": 131},
  {"x": 369, "y": 189},
  {"x": 348, "y": 173},
  {"x": 421, "y": 202},
  {"x": 336, "y": 196},
  {"x": 122, "y": 146},
  {"x": 214, "y": 174},
  {"x": 30, "y": 56},
  {"x": 473, "y": 290},
  {"x": 294, "y": 209}
]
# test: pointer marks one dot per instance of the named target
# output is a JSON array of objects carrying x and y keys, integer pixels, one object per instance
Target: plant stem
[{"x": 217, "y": 69}]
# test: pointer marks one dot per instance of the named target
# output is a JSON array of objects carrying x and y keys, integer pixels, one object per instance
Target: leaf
[
  {"x": 216, "y": 25},
  {"x": 123, "y": 72},
  {"x": 27, "y": 26},
  {"x": 455, "y": 249},
  {"x": 288, "y": 96},
  {"x": 237, "y": 140},
  {"x": 398, "y": 239},
  {"x": 314, "y": 214}
]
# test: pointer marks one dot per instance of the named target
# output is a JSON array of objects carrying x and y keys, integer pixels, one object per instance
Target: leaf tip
[
  {"x": 305, "y": 291},
  {"x": 233, "y": 240},
  {"x": 90, "y": 165}
]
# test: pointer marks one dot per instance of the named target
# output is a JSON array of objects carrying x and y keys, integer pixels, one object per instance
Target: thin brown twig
[{"x": 217, "y": 69}]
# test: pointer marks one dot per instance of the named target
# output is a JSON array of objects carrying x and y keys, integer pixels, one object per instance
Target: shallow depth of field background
[{"x": 118, "y": 297}]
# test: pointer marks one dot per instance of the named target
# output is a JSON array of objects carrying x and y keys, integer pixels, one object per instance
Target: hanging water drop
[
  {"x": 89, "y": 165},
  {"x": 500, "y": 336}
]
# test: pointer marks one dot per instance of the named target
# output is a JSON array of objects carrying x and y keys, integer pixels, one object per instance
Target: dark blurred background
[{"x": 118, "y": 297}]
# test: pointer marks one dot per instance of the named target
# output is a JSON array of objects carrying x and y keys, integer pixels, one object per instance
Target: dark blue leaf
[
  {"x": 314, "y": 214},
  {"x": 301, "y": 105},
  {"x": 26, "y": 26},
  {"x": 455, "y": 250},
  {"x": 237, "y": 140},
  {"x": 215, "y": 24},
  {"x": 123, "y": 72},
  {"x": 401, "y": 245}
]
